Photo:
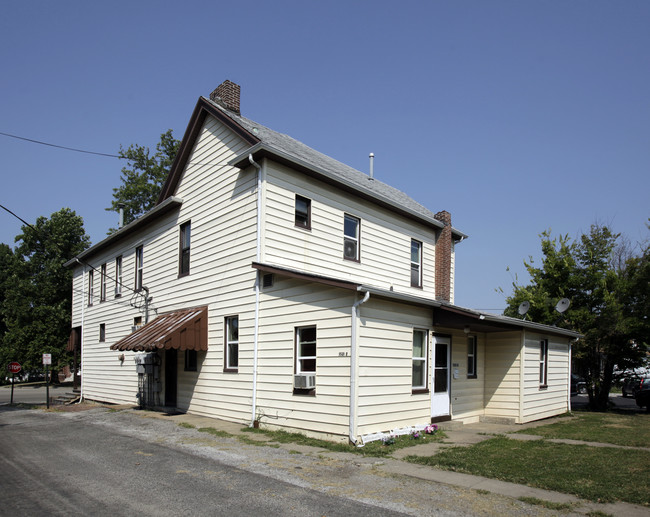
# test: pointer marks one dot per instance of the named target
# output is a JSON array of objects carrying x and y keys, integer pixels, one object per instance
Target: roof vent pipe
[
  {"x": 121, "y": 207},
  {"x": 372, "y": 165}
]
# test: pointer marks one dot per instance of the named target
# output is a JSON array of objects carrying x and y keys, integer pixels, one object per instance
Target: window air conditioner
[{"x": 304, "y": 381}]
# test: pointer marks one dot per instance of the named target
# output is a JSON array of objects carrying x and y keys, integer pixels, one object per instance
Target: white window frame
[
  {"x": 354, "y": 239},
  {"x": 230, "y": 342},
  {"x": 298, "y": 346},
  {"x": 420, "y": 360},
  {"x": 118, "y": 276},
  {"x": 102, "y": 283},
  {"x": 416, "y": 265},
  {"x": 139, "y": 267},
  {"x": 543, "y": 363},
  {"x": 472, "y": 355}
]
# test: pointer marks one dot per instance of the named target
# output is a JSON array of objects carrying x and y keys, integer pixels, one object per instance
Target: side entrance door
[
  {"x": 171, "y": 376},
  {"x": 440, "y": 397}
]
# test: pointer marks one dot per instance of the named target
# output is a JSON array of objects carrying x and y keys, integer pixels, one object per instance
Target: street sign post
[
  {"x": 47, "y": 361},
  {"x": 13, "y": 368}
]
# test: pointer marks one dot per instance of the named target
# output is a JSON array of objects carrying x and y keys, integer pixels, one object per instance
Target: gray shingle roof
[{"x": 335, "y": 170}]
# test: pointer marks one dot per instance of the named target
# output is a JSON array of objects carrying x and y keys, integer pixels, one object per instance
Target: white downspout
[
  {"x": 353, "y": 366},
  {"x": 569, "y": 381},
  {"x": 257, "y": 284}
]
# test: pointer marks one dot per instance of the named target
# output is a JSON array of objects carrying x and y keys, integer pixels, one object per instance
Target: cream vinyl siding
[
  {"x": 220, "y": 202},
  {"x": 543, "y": 403},
  {"x": 385, "y": 398},
  {"x": 467, "y": 395},
  {"x": 502, "y": 375},
  {"x": 285, "y": 306},
  {"x": 385, "y": 237}
]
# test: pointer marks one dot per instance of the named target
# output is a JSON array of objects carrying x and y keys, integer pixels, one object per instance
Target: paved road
[
  {"x": 31, "y": 393},
  {"x": 114, "y": 463}
]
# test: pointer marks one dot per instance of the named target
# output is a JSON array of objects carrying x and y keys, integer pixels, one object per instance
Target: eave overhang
[
  {"x": 144, "y": 220},
  {"x": 262, "y": 150}
]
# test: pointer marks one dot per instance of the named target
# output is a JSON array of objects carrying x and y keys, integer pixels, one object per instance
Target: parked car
[
  {"x": 630, "y": 386},
  {"x": 578, "y": 384},
  {"x": 643, "y": 394}
]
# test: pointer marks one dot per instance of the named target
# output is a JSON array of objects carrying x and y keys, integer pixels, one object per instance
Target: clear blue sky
[{"x": 514, "y": 116}]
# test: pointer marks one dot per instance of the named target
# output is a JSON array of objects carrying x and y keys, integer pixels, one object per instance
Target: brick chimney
[
  {"x": 227, "y": 95},
  {"x": 443, "y": 258}
]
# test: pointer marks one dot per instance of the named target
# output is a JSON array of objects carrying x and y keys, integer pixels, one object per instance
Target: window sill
[
  {"x": 301, "y": 227},
  {"x": 543, "y": 387},
  {"x": 418, "y": 391},
  {"x": 358, "y": 261},
  {"x": 231, "y": 370},
  {"x": 181, "y": 275},
  {"x": 472, "y": 376}
]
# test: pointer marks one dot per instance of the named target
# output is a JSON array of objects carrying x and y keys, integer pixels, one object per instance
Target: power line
[
  {"x": 59, "y": 146},
  {"x": 93, "y": 152}
]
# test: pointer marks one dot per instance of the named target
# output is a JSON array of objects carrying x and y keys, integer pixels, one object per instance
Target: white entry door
[{"x": 440, "y": 382}]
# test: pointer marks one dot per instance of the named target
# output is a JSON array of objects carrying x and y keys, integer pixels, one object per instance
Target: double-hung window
[
  {"x": 471, "y": 357},
  {"x": 91, "y": 275},
  {"x": 351, "y": 227},
  {"x": 184, "y": 250},
  {"x": 102, "y": 284},
  {"x": 231, "y": 360},
  {"x": 420, "y": 351},
  {"x": 102, "y": 332},
  {"x": 139, "y": 267},
  {"x": 543, "y": 363},
  {"x": 305, "y": 350},
  {"x": 416, "y": 263},
  {"x": 303, "y": 212},
  {"x": 118, "y": 276}
]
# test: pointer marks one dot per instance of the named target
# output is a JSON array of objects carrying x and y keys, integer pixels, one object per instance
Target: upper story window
[
  {"x": 118, "y": 276},
  {"x": 543, "y": 363},
  {"x": 471, "y": 357},
  {"x": 420, "y": 352},
  {"x": 91, "y": 278},
  {"x": 416, "y": 263},
  {"x": 351, "y": 232},
  {"x": 139, "y": 267},
  {"x": 303, "y": 212},
  {"x": 102, "y": 284},
  {"x": 232, "y": 344},
  {"x": 102, "y": 332},
  {"x": 184, "y": 250}
]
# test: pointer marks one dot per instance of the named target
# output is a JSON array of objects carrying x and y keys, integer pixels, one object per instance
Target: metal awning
[{"x": 181, "y": 330}]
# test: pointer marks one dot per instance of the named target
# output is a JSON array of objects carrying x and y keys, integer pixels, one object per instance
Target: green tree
[
  {"x": 36, "y": 304},
  {"x": 608, "y": 300},
  {"x": 144, "y": 176}
]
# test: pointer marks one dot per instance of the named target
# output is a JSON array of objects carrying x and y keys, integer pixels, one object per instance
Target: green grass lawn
[
  {"x": 602, "y": 474},
  {"x": 632, "y": 430}
]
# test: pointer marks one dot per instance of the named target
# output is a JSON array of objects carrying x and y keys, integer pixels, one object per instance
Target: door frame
[
  {"x": 171, "y": 377},
  {"x": 440, "y": 409}
]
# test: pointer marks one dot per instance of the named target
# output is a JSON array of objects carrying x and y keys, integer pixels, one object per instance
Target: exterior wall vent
[{"x": 267, "y": 280}]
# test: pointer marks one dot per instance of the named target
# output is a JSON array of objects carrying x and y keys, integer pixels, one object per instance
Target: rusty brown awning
[{"x": 182, "y": 330}]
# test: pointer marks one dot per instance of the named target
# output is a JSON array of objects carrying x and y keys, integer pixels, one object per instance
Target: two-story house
[{"x": 273, "y": 284}]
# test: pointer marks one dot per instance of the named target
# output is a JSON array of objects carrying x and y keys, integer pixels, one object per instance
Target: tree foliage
[
  {"x": 35, "y": 290},
  {"x": 608, "y": 288},
  {"x": 144, "y": 176}
]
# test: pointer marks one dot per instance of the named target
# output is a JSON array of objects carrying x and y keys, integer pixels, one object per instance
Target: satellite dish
[
  {"x": 562, "y": 305},
  {"x": 523, "y": 308}
]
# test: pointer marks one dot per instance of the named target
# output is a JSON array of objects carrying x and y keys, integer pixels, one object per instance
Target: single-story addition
[{"x": 273, "y": 285}]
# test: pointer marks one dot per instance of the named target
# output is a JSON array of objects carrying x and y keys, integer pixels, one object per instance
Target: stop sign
[{"x": 14, "y": 367}]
